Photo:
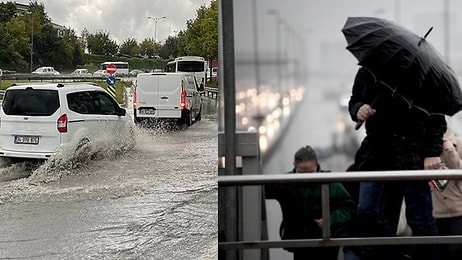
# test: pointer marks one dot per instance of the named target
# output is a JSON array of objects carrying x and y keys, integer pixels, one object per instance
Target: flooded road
[{"x": 158, "y": 201}]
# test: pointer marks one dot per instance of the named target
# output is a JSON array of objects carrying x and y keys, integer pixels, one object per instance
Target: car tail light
[
  {"x": 62, "y": 123},
  {"x": 183, "y": 103},
  {"x": 135, "y": 98}
]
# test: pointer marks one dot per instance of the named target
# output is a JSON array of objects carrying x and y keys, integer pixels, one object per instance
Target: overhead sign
[
  {"x": 111, "y": 69},
  {"x": 111, "y": 80}
]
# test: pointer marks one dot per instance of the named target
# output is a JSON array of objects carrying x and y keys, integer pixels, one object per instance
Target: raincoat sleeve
[
  {"x": 434, "y": 130},
  {"x": 357, "y": 94},
  {"x": 342, "y": 207}
]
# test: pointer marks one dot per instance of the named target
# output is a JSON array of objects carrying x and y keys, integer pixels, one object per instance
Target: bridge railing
[{"x": 325, "y": 178}]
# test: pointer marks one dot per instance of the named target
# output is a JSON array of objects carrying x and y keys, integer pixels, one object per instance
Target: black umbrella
[{"x": 407, "y": 64}]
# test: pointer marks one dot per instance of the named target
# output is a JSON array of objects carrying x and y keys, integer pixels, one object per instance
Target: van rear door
[{"x": 159, "y": 95}]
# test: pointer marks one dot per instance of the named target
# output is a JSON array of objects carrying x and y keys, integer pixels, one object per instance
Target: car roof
[{"x": 57, "y": 86}]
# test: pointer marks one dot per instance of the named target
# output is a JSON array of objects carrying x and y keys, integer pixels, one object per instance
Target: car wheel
[
  {"x": 186, "y": 120},
  {"x": 83, "y": 153}
]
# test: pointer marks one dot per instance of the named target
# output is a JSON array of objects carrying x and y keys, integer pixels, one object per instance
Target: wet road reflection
[{"x": 156, "y": 202}]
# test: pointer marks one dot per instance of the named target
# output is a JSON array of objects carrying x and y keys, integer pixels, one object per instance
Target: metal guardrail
[
  {"x": 211, "y": 92},
  {"x": 33, "y": 77},
  {"x": 324, "y": 179}
]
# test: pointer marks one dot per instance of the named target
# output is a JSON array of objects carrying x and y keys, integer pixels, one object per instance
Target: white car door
[{"x": 113, "y": 120}]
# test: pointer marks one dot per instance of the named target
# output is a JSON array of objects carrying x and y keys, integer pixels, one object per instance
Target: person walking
[
  {"x": 302, "y": 208},
  {"x": 398, "y": 137},
  {"x": 447, "y": 196}
]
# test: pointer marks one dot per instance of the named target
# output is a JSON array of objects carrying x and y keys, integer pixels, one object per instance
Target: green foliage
[
  {"x": 7, "y": 11},
  {"x": 26, "y": 35},
  {"x": 201, "y": 37},
  {"x": 147, "y": 48},
  {"x": 129, "y": 47},
  {"x": 100, "y": 43}
]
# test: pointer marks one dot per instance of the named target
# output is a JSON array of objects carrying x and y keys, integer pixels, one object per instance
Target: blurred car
[
  {"x": 101, "y": 73},
  {"x": 45, "y": 71},
  {"x": 81, "y": 73},
  {"x": 135, "y": 72}
]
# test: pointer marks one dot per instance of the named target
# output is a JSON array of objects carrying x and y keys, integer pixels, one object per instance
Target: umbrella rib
[{"x": 410, "y": 103}]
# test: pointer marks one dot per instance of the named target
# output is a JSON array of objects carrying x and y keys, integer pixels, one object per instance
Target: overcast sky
[
  {"x": 123, "y": 19},
  {"x": 320, "y": 22}
]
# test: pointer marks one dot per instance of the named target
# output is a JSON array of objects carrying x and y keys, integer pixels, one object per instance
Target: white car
[
  {"x": 101, "y": 73},
  {"x": 38, "y": 120},
  {"x": 46, "y": 71},
  {"x": 81, "y": 73}
]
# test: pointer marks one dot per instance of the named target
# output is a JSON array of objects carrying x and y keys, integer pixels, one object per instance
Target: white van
[
  {"x": 37, "y": 120},
  {"x": 167, "y": 96}
]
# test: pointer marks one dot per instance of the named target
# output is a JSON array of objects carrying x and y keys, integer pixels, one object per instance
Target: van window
[
  {"x": 190, "y": 82},
  {"x": 30, "y": 102}
]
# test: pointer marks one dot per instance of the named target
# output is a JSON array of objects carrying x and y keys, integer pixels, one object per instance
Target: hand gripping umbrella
[{"x": 405, "y": 63}]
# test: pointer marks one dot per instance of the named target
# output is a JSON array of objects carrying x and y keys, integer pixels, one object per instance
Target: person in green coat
[{"x": 302, "y": 208}]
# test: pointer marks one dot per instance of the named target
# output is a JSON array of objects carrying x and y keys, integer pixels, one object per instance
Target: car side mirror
[{"x": 122, "y": 112}]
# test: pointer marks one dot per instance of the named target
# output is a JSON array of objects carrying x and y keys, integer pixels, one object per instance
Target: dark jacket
[
  {"x": 399, "y": 136},
  {"x": 301, "y": 205}
]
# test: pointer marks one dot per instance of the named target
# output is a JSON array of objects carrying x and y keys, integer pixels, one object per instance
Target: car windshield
[{"x": 30, "y": 102}]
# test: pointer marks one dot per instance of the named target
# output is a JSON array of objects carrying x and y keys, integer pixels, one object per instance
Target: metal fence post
[{"x": 250, "y": 222}]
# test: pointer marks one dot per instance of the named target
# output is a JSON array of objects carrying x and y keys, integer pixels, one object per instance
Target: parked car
[
  {"x": 81, "y": 73},
  {"x": 167, "y": 97},
  {"x": 45, "y": 71},
  {"x": 38, "y": 120},
  {"x": 101, "y": 73},
  {"x": 133, "y": 73},
  {"x": 214, "y": 72}
]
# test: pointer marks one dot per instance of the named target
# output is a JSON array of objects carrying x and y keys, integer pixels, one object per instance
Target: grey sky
[
  {"x": 123, "y": 19},
  {"x": 320, "y": 22}
]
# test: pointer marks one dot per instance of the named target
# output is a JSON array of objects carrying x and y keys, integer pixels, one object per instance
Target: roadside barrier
[{"x": 211, "y": 92}]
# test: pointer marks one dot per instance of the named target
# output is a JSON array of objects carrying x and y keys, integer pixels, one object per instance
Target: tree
[
  {"x": 147, "y": 48},
  {"x": 99, "y": 43},
  {"x": 201, "y": 36},
  {"x": 7, "y": 11},
  {"x": 14, "y": 44},
  {"x": 74, "y": 47},
  {"x": 129, "y": 47},
  {"x": 170, "y": 47}
]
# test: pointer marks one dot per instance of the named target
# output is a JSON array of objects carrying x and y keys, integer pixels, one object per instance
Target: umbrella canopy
[{"x": 407, "y": 64}]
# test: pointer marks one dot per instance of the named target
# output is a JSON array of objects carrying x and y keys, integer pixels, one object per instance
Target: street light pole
[
  {"x": 31, "y": 42},
  {"x": 156, "y": 19},
  {"x": 278, "y": 49}
]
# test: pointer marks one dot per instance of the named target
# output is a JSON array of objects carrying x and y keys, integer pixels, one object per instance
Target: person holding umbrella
[
  {"x": 401, "y": 93},
  {"x": 396, "y": 140}
]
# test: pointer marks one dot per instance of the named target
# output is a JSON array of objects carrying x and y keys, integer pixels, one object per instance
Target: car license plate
[
  {"x": 19, "y": 139},
  {"x": 147, "y": 111}
]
